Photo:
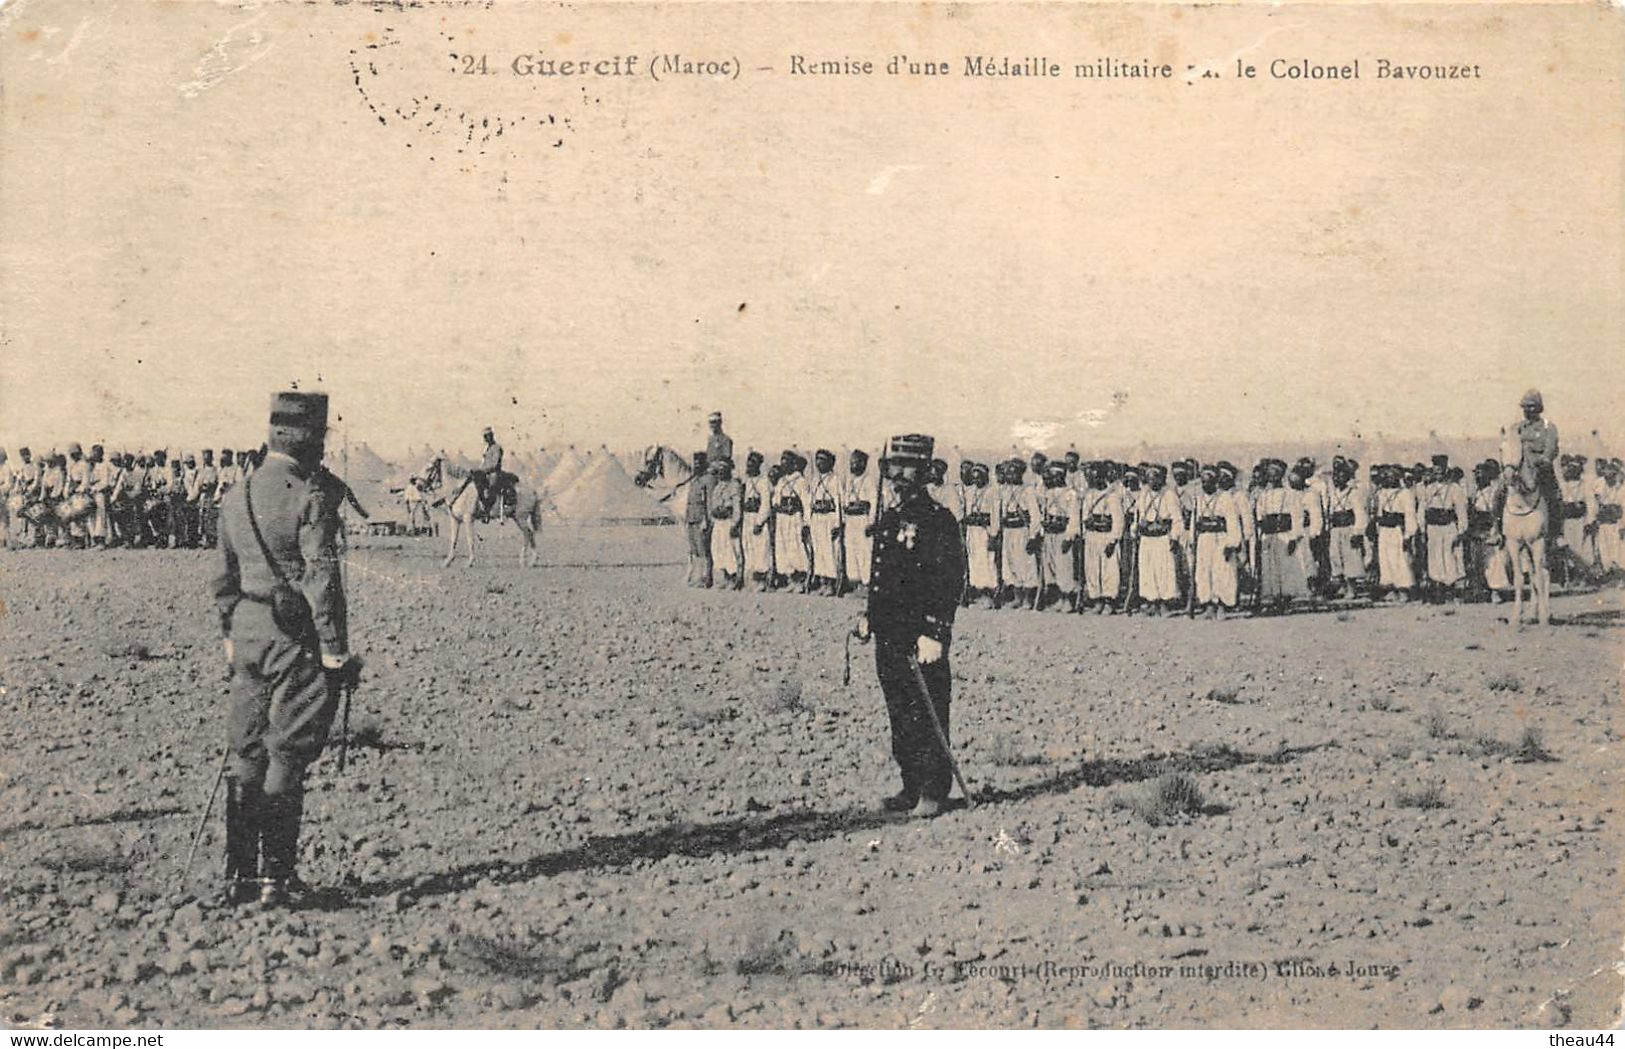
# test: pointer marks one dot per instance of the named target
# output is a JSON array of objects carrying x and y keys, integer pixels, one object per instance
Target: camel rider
[{"x": 1536, "y": 441}]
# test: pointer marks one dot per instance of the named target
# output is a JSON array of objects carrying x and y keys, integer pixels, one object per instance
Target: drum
[{"x": 76, "y": 506}]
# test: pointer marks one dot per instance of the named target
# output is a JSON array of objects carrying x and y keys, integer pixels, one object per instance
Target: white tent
[
  {"x": 571, "y": 465},
  {"x": 604, "y": 494}
]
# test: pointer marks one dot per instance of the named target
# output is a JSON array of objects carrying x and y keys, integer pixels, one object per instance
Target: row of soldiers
[
  {"x": 1065, "y": 534},
  {"x": 99, "y": 500}
]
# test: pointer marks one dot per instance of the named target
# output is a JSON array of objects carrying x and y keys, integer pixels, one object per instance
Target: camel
[{"x": 526, "y": 514}]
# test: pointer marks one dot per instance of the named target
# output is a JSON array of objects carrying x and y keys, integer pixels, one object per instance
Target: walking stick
[
  {"x": 203, "y": 820},
  {"x": 936, "y": 723},
  {"x": 846, "y": 671}
]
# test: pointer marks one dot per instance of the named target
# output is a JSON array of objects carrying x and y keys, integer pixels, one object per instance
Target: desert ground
[{"x": 585, "y": 795}]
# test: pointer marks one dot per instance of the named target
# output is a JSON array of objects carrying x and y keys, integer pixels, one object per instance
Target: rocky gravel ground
[{"x": 584, "y": 795}]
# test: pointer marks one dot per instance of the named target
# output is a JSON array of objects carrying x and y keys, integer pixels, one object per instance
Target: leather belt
[{"x": 1274, "y": 524}]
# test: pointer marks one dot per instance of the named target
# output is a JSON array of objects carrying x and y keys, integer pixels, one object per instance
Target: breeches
[{"x": 281, "y": 711}]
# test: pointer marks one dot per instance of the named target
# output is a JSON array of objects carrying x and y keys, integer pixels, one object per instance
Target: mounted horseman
[
  {"x": 497, "y": 489},
  {"x": 1528, "y": 504}
]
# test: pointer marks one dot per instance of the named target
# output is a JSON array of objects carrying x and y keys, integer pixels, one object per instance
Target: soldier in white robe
[
  {"x": 1058, "y": 521},
  {"x": 1161, "y": 530},
  {"x": 1346, "y": 521},
  {"x": 1280, "y": 513},
  {"x": 1396, "y": 519},
  {"x": 1444, "y": 514},
  {"x": 1102, "y": 520},
  {"x": 824, "y": 522},
  {"x": 726, "y": 507},
  {"x": 790, "y": 522},
  {"x": 1579, "y": 511},
  {"x": 1216, "y": 522},
  {"x": 756, "y": 532},
  {"x": 1019, "y": 535},
  {"x": 982, "y": 520},
  {"x": 858, "y": 512},
  {"x": 1492, "y": 560}
]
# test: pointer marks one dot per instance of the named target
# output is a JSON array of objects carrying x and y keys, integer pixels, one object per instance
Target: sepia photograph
[{"x": 811, "y": 515}]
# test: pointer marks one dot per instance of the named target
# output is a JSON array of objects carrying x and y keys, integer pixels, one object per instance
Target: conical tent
[
  {"x": 543, "y": 465},
  {"x": 570, "y": 466},
  {"x": 604, "y": 494},
  {"x": 364, "y": 464}
]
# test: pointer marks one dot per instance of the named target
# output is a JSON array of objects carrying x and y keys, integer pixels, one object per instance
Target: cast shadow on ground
[
  {"x": 1609, "y": 618},
  {"x": 126, "y": 816},
  {"x": 756, "y": 833}
]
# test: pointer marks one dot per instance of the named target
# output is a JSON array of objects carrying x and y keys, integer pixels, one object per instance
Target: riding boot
[
  {"x": 280, "y": 844},
  {"x": 244, "y": 811}
]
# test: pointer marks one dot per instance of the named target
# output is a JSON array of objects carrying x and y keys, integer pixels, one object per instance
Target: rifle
[
  {"x": 1131, "y": 548},
  {"x": 1190, "y": 558}
]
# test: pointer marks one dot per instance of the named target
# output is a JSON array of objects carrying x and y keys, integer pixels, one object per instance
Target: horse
[
  {"x": 526, "y": 513},
  {"x": 652, "y": 475},
  {"x": 1525, "y": 518}
]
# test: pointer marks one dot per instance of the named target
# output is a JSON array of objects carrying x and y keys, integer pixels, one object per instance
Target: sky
[{"x": 209, "y": 208}]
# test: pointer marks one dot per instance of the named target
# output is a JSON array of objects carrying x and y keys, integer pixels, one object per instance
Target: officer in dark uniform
[
  {"x": 917, "y": 579},
  {"x": 282, "y": 613}
]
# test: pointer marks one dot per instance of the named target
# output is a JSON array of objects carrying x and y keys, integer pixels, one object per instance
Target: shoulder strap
[{"x": 248, "y": 498}]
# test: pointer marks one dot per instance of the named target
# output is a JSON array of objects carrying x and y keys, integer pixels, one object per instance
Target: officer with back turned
[{"x": 283, "y": 616}]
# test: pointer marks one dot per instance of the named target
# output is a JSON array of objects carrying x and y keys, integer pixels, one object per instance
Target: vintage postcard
[{"x": 810, "y": 515}]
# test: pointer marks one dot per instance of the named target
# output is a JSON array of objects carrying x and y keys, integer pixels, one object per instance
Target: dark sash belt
[
  {"x": 1018, "y": 519},
  {"x": 790, "y": 505},
  {"x": 1608, "y": 513},
  {"x": 752, "y": 505},
  {"x": 1391, "y": 520},
  {"x": 1274, "y": 524},
  {"x": 1342, "y": 519},
  {"x": 858, "y": 508},
  {"x": 1156, "y": 528},
  {"x": 1098, "y": 523},
  {"x": 1574, "y": 510},
  {"x": 1209, "y": 525},
  {"x": 978, "y": 520},
  {"x": 1055, "y": 525},
  {"x": 823, "y": 506},
  {"x": 1441, "y": 515}
]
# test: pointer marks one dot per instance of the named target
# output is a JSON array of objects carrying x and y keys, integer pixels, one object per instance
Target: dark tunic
[{"x": 918, "y": 577}]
